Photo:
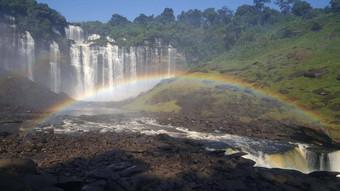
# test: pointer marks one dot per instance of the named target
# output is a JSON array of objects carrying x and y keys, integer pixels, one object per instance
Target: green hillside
[{"x": 280, "y": 63}]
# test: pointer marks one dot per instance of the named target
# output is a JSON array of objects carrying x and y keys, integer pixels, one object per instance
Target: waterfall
[
  {"x": 26, "y": 47},
  {"x": 171, "y": 61},
  {"x": 75, "y": 33},
  {"x": 96, "y": 67},
  {"x": 55, "y": 67},
  {"x": 300, "y": 158}
]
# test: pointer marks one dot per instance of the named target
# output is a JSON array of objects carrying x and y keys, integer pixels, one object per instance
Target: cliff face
[{"x": 79, "y": 66}]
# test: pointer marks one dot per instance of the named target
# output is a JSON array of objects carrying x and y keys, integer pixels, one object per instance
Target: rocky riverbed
[{"x": 46, "y": 160}]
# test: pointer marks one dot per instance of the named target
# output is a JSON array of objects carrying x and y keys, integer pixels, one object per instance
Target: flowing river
[{"x": 266, "y": 153}]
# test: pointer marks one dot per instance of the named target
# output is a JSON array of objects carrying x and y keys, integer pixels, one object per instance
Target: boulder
[
  {"x": 18, "y": 166},
  {"x": 284, "y": 91},
  {"x": 315, "y": 73},
  {"x": 321, "y": 91},
  {"x": 338, "y": 78},
  {"x": 323, "y": 174}
]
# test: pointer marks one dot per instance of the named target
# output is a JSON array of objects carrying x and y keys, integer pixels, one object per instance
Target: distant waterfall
[
  {"x": 26, "y": 47},
  {"x": 97, "y": 67},
  {"x": 55, "y": 67},
  {"x": 75, "y": 33}
]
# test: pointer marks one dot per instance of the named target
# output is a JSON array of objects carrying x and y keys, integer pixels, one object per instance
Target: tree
[
  {"x": 210, "y": 17},
  {"x": 143, "y": 19},
  {"x": 335, "y": 5},
  {"x": 118, "y": 20},
  {"x": 260, "y": 3},
  {"x": 167, "y": 16},
  {"x": 225, "y": 15},
  {"x": 301, "y": 8},
  {"x": 192, "y": 18},
  {"x": 286, "y": 5},
  {"x": 247, "y": 15}
]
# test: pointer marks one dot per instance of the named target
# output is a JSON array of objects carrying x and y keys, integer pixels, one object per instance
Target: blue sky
[{"x": 102, "y": 10}]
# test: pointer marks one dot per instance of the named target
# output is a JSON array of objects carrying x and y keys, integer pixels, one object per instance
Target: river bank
[
  {"x": 133, "y": 161},
  {"x": 120, "y": 159}
]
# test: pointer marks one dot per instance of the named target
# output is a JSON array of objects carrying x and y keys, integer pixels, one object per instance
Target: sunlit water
[{"x": 266, "y": 153}]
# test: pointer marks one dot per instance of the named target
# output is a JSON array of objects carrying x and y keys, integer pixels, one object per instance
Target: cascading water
[
  {"x": 55, "y": 67},
  {"x": 75, "y": 33},
  {"x": 107, "y": 66},
  {"x": 26, "y": 47}
]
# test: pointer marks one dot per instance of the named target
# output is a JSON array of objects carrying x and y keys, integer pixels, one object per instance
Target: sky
[{"x": 102, "y": 10}]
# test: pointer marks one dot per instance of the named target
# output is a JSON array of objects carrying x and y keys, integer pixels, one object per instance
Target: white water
[
  {"x": 55, "y": 67},
  {"x": 265, "y": 153},
  {"x": 111, "y": 66},
  {"x": 26, "y": 47},
  {"x": 75, "y": 33}
]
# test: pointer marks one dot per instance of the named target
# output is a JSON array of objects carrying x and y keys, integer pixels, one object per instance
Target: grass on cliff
[{"x": 274, "y": 62}]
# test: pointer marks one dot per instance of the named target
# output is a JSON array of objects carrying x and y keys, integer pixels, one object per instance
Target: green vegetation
[
  {"x": 270, "y": 51},
  {"x": 37, "y": 18}
]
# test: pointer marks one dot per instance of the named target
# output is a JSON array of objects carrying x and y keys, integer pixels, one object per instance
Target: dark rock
[
  {"x": 105, "y": 173},
  {"x": 227, "y": 87},
  {"x": 284, "y": 91},
  {"x": 315, "y": 73},
  {"x": 338, "y": 78},
  {"x": 255, "y": 63},
  {"x": 259, "y": 75},
  {"x": 131, "y": 170},
  {"x": 237, "y": 155},
  {"x": 4, "y": 134},
  {"x": 40, "y": 181},
  {"x": 249, "y": 91},
  {"x": 164, "y": 137},
  {"x": 70, "y": 180},
  {"x": 297, "y": 74},
  {"x": 18, "y": 166},
  {"x": 218, "y": 153},
  {"x": 11, "y": 182},
  {"x": 335, "y": 107},
  {"x": 323, "y": 174},
  {"x": 321, "y": 91},
  {"x": 96, "y": 186},
  {"x": 52, "y": 189}
]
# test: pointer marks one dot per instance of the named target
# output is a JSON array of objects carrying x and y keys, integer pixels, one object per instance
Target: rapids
[{"x": 82, "y": 118}]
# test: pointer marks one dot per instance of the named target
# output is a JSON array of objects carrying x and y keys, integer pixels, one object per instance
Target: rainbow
[{"x": 212, "y": 76}]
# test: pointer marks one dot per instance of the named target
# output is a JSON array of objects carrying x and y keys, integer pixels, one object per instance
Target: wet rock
[
  {"x": 321, "y": 91},
  {"x": 218, "y": 153},
  {"x": 315, "y": 73},
  {"x": 323, "y": 174},
  {"x": 96, "y": 186},
  {"x": 237, "y": 155},
  {"x": 131, "y": 171},
  {"x": 18, "y": 166},
  {"x": 164, "y": 137}
]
